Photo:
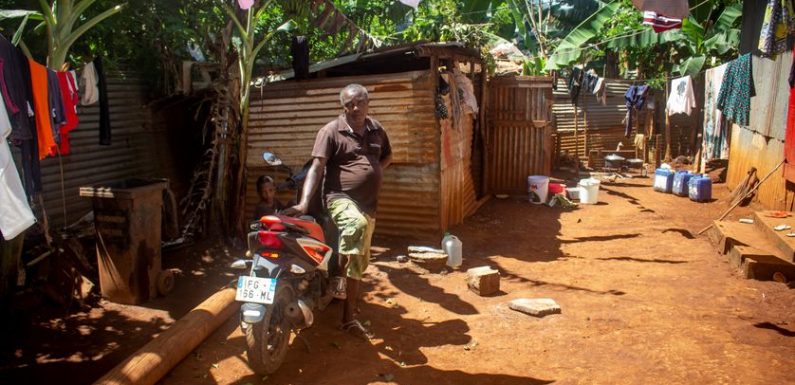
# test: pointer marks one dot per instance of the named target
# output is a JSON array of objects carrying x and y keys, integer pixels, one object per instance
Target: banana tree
[{"x": 63, "y": 21}]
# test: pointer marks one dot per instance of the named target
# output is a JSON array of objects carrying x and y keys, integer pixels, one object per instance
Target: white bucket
[
  {"x": 589, "y": 191},
  {"x": 537, "y": 188}
]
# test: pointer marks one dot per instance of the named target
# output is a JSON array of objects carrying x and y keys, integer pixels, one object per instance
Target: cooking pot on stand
[{"x": 614, "y": 162}]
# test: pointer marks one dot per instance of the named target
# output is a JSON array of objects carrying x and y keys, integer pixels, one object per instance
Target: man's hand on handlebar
[{"x": 295, "y": 211}]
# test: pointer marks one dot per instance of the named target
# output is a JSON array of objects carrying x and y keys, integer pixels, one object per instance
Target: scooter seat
[{"x": 312, "y": 227}]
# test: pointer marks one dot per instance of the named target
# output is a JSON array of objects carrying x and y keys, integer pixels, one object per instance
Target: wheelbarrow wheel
[{"x": 165, "y": 282}]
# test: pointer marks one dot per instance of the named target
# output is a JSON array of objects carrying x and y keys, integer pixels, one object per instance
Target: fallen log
[{"x": 153, "y": 361}]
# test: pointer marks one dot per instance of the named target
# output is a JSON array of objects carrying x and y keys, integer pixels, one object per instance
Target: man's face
[
  {"x": 355, "y": 105},
  {"x": 267, "y": 191}
]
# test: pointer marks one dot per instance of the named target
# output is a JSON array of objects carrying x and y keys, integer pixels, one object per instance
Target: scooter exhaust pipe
[{"x": 300, "y": 314}]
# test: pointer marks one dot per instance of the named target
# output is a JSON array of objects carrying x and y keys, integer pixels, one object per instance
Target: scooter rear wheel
[{"x": 268, "y": 340}]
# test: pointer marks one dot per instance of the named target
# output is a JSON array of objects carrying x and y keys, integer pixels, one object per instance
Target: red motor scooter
[{"x": 287, "y": 278}]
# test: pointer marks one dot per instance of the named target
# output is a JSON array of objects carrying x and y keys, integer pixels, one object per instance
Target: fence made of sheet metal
[
  {"x": 761, "y": 144},
  {"x": 129, "y": 155},
  {"x": 519, "y": 134}
]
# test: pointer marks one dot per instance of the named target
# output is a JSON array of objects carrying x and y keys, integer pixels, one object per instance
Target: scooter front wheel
[{"x": 268, "y": 340}]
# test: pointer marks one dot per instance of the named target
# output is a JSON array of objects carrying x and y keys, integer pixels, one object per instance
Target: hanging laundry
[
  {"x": 635, "y": 98},
  {"x": 15, "y": 213},
  {"x": 104, "y": 113},
  {"x": 554, "y": 80},
  {"x": 789, "y": 136},
  {"x": 70, "y": 97},
  {"x": 736, "y": 90},
  {"x": 778, "y": 24},
  {"x": 600, "y": 90},
  {"x": 245, "y": 4},
  {"x": 660, "y": 23},
  {"x": 589, "y": 83},
  {"x": 715, "y": 137},
  {"x": 574, "y": 84},
  {"x": 678, "y": 9},
  {"x": 411, "y": 3},
  {"x": 13, "y": 65},
  {"x": 90, "y": 85},
  {"x": 57, "y": 113},
  {"x": 682, "y": 99},
  {"x": 41, "y": 106}
]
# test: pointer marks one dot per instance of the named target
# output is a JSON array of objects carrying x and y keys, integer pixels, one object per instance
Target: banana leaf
[
  {"x": 691, "y": 66},
  {"x": 16, "y": 13},
  {"x": 569, "y": 50}
]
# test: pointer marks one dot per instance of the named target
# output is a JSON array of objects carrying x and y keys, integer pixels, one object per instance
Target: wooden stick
[
  {"x": 153, "y": 361},
  {"x": 742, "y": 199}
]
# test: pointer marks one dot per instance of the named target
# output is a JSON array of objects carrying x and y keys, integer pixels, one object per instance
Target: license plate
[{"x": 257, "y": 290}]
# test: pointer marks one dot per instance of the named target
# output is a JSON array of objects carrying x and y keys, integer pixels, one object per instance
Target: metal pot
[{"x": 614, "y": 161}]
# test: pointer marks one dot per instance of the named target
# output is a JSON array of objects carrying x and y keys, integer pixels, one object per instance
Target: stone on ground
[
  {"x": 538, "y": 307},
  {"x": 483, "y": 280}
]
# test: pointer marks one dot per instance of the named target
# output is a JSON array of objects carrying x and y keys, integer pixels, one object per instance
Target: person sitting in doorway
[{"x": 268, "y": 204}]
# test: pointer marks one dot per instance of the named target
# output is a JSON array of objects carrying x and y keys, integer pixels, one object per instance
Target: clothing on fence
[
  {"x": 715, "y": 141},
  {"x": 70, "y": 98},
  {"x": 789, "y": 138},
  {"x": 89, "y": 83},
  {"x": 574, "y": 84},
  {"x": 635, "y": 98},
  {"x": 15, "y": 213},
  {"x": 600, "y": 90},
  {"x": 15, "y": 87},
  {"x": 778, "y": 24},
  {"x": 736, "y": 90},
  {"x": 682, "y": 98},
  {"x": 41, "y": 106},
  {"x": 104, "y": 112}
]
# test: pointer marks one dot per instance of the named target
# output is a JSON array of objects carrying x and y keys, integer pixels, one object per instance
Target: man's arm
[
  {"x": 313, "y": 178},
  {"x": 386, "y": 161}
]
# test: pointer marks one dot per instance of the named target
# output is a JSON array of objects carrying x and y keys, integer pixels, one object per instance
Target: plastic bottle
[{"x": 453, "y": 247}]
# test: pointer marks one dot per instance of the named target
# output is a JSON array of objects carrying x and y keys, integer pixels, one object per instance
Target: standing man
[{"x": 351, "y": 152}]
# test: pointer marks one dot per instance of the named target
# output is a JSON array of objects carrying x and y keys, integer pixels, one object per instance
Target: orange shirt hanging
[{"x": 41, "y": 108}]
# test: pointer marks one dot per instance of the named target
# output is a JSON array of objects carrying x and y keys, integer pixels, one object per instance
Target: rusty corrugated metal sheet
[
  {"x": 601, "y": 127},
  {"x": 519, "y": 135},
  {"x": 761, "y": 144},
  {"x": 130, "y": 154},
  {"x": 457, "y": 184},
  {"x": 286, "y": 116}
]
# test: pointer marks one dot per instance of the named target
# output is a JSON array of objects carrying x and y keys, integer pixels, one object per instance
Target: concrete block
[
  {"x": 538, "y": 307},
  {"x": 483, "y": 280}
]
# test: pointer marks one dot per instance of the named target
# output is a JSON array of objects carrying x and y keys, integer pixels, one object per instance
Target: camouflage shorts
[{"x": 356, "y": 231}]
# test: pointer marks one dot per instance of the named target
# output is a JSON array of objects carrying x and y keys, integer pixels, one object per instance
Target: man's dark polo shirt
[{"x": 353, "y": 166}]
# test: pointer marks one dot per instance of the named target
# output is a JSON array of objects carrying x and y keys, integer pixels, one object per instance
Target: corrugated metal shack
[{"x": 431, "y": 184}]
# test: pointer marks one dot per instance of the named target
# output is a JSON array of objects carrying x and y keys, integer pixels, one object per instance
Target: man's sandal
[
  {"x": 356, "y": 329},
  {"x": 338, "y": 288}
]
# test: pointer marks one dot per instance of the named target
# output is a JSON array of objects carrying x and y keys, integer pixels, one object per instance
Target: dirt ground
[{"x": 644, "y": 300}]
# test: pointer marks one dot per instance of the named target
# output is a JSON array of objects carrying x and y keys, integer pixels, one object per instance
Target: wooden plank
[
  {"x": 763, "y": 267},
  {"x": 785, "y": 245}
]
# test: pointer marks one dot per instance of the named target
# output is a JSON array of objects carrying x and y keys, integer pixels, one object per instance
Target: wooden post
[
  {"x": 153, "y": 361},
  {"x": 667, "y": 126}
]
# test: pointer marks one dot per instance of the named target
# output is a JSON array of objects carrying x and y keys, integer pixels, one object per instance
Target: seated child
[{"x": 268, "y": 204}]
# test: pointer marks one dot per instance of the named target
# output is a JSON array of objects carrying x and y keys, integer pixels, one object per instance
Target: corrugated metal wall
[
  {"x": 761, "y": 144},
  {"x": 286, "y": 116},
  {"x": 519, "y": 132},
  {"x": 457, "y": 184},
  {"x": 601, "y": 127},
  {"x": 130, "y": 155}
]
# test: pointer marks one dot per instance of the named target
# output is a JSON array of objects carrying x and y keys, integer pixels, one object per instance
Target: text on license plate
[{"x": 257, "y": 290}]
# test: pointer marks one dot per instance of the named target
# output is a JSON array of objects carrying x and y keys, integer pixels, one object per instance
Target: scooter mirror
[
  {"x": 240, "y": 264},
  {"x": 271, "y": 159}
]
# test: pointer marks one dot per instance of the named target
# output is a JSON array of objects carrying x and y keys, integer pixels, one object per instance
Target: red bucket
[{"x": 557, "y": 188}]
